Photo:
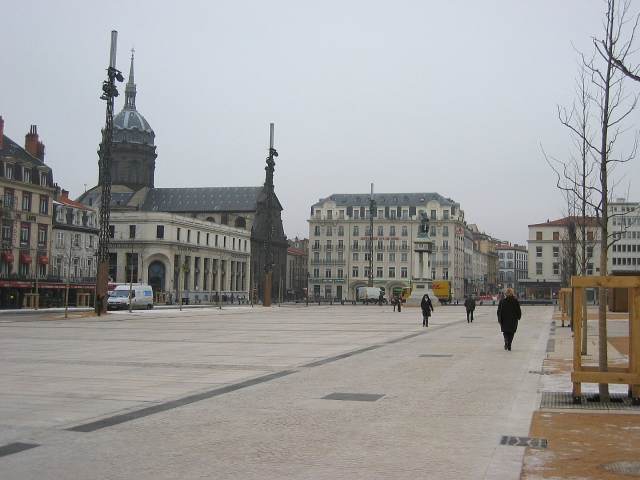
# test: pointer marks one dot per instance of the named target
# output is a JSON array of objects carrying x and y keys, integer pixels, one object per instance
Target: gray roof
[
  {"x": 129, "y": 119},
  {"x": 13, "y": 150},
  {"x": 205, "y": 199},
  {"x": 386, "y": 199}
]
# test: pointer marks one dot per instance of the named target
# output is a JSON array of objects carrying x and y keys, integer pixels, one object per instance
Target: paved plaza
[{"x": 254, "y": 393}]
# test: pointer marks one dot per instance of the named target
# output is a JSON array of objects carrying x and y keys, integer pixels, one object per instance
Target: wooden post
[
  {"x": 576, "y": 314},
  {"x": 634, "y": 341},
  {"x": 266, "y": 300}
]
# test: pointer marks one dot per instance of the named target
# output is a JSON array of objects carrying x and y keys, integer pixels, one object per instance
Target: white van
[{"x": 141, "y": 297}]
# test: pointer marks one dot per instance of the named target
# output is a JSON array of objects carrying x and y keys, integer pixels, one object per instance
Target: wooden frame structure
[
  {"x": 630, "y": 374},
  {"x": 564, "y": 301}
]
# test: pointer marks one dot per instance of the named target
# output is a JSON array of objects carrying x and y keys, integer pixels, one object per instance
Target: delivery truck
[{"x": 442, "y": 289}]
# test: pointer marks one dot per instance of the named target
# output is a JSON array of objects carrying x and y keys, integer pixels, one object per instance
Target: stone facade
[
  {"x": 180, "y": 257},
  {"x": 26, "y": 192},
  {"x": 339, "y": 239}
]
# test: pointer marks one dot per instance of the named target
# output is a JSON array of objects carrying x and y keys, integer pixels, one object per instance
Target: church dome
[{"x": 129, "y": 125}]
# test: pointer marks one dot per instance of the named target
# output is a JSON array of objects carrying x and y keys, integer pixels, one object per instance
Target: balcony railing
[{"x": 328, "y": 262}]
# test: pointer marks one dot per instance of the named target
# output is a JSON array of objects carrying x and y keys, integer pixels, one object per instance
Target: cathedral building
[{"x": 199, "y": 244}]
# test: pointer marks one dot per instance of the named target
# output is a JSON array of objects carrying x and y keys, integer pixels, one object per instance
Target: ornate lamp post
[
  {"x": 109, "y": 92},
  {"x": 268, "y": 244}
]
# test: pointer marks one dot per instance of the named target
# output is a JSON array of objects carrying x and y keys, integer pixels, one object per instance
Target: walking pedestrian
[
  {"x": 470, "y": 306},
  {"x": 508, "y": 315},
  {"x": 427, "y": 308},
  {"x": 399, "y": 300},
  {"x": 393, "y": 302}
]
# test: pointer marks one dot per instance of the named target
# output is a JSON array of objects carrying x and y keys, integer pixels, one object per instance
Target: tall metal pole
[
  {"x": 372, "y": 207},
  {"x": 131, "y": 280},
  {"x": 109, "y": 92},
  {"x": 268, "y": 244}
]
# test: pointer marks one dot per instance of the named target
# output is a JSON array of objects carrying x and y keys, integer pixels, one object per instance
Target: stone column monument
[{"x": 421, "y": 271}]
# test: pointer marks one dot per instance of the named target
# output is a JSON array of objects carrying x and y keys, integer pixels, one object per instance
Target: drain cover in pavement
[
  {"x": 436, "y": 355},
  {"x": 619, "y": 401},
  {"x": 354, "y": 397},
  {"x": 625, "y": 468},
  {"x": 524, "y": 442}
]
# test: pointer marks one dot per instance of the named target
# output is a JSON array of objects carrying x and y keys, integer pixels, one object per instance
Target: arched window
[
  {"x": 211, "y": 219},
  {"x": 240, "y": 222}
]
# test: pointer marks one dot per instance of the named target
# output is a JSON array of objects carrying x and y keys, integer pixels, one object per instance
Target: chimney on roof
[
  {"x": 64, "y": 195},
  {"x": 1, "y": 132},
  {"x": 31, "y": 141},
  {"x": 40, "y": 154}
]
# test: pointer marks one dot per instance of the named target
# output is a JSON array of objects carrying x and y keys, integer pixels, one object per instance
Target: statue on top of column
[{"x": 423, "y": 231}]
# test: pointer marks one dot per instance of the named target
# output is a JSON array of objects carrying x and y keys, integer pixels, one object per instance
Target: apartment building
[
  {"x": 26, "y": 192},
  {"x": 624, "y": 225},
  {"x": 340, "y": 249},
  {"x": 513, "y": 267}
]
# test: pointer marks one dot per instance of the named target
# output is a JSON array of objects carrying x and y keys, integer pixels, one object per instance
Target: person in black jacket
[
  {"x": 470, "y": 305},
  {"x": 427, "y": 308},
  {"x": 508, "y": 315}
]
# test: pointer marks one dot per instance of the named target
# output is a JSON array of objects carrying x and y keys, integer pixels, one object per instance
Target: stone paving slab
[{"x": 439, "y": 417}]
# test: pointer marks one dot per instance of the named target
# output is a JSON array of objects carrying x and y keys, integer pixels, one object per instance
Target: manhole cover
[
  {"x": 625, "y": 468},
  {"x": 354, "y": 397}
]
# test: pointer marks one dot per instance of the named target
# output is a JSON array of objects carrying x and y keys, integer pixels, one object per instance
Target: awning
[
  {"x": 25, "y": 258},
  {"x": 43, "y": 260},
  {"x": 7, "y": 257}
]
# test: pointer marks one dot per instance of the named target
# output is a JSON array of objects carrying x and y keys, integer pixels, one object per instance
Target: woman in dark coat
[
  {"x": 427, "y": 308},
  {"x": 508, "y": 315}
]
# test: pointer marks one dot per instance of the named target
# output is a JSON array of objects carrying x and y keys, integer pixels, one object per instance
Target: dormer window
[
  {"x": 9, "y": 171},
  {"x": 26, "y": 175},
  {"x": 43, "y": 179}
]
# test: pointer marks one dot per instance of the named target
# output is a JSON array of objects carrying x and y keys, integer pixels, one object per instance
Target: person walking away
[
  {"x": 508, "y": 315},
  {"x": 427, "y": 308},
  {"x": 399, "y": 300},
  {"x": 470, "y": 305}
]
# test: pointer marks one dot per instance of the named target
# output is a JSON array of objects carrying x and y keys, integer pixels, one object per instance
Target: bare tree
[{"x": 596, "y": 145}]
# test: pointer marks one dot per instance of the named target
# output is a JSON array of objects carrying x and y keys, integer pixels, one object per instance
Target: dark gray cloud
[{"x": 453, "y": 97}]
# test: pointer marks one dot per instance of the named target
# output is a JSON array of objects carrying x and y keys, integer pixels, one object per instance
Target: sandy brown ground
[{"x": 580, "y": 443}]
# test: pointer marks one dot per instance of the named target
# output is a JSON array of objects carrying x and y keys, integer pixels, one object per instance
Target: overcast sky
[{"x": 451, "y": 97}]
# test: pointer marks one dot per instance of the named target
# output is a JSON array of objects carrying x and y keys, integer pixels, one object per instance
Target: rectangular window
[
  {"x": 316, "y": 231},
  {"x": 539, "y": 252},
  {"x": 25, "y": 234},
  {"x": 7, "y": 232},
  {"x": 392, "y": 231},
  {"x": 379, "y": 257},
  {"x": 76, "y": 239},
  {"x": 445, "y": 231},
  {"x": 341, "y": 231},
  {"x": 403, "y": 272},
  {"x": 340, "y": 273},
  {"x": 355, "y": 256},
  {"x": 538, "y": 268},
  {"x": 392, "y": 272},
  {"x": 26, "y": 175},
  {"x": 44, "y": 205},
  {"x": 405, "y": 231},
  {"x": 556, "y": 269},
  {"x": 380, "y": 230},
  {"x": 403, "y": 257},
  {"x": 356, "y": 231},
  {"x": 445, "y": 214},
  {"x": 379, "y": 272},
  {"x": 556, "y": 236},
  {"x": 132, "y": 231},
  {"x": 340, "y": 244},
  {"x": 316, "y": 272},
  {"x": 538, "y": 235},
  {"x": 432, "y": 231},
  {"x": 26, "y": 201},
  {"x": 160, "y": 231},
  {"x": 556, "y": 251},
  {"x": 354, "y": 272},
  {"x": 188, "y": 236},
  {"x": 198, "y": 238},
  {"x": 329, "y": 231},
  {"x": 329, "y": 214},
  {"x": 178, "y": 231},
  {"x": 9, "y": 172},
  {"x": 42, "y": 236},
  {"x": 43, "y": 179},
  {"x": 112, "y": 231},
  {"x": 392, "y": 257},
  {"x": 433, "y": 215},
  {"x": 355, "y": 245},
  {"x": 327, "y": 273},
  {"x": 208, "y": 239}
]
